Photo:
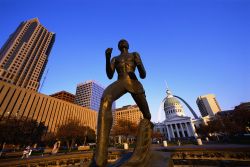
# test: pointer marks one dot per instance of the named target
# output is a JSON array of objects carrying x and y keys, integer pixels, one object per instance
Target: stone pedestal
[
  {"x": 125, "y": 145},
  {"x": 142, "y": 155},
  {"x": 199, "y": 142},
  {"x": 165, "y": 144}
]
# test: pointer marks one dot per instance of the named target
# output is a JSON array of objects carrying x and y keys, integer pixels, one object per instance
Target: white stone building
[{"x": 176, "y": 125}]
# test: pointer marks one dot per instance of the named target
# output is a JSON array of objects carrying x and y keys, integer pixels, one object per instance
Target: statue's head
[{"x": 123, "y": 44}]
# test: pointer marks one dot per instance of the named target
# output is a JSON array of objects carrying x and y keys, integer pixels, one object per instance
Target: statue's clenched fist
[{"x": 108, "y": 52}]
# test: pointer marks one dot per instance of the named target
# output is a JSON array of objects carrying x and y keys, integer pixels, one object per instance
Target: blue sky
[{"x": 197, "y": 46}]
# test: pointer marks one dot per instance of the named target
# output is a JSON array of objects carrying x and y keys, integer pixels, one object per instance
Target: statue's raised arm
[{"x": 110, "y": 66}]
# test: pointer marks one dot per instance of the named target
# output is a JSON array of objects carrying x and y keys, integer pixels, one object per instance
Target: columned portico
[
  {"x": 193, "y": 129},
  {"x": 188, "y": 132},
  {"x": 173, "y": 135},
  {"x": 168, "y": 133},
  {"x": 182, "y": 131},
  {"x": 178, "y": 127},
  {"x": 177, "y": 130}
]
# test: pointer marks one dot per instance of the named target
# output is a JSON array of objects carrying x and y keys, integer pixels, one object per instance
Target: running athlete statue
[{"x": 125, "y": 65}]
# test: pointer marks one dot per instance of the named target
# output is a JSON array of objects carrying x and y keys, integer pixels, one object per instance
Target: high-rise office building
[
  {"x": 24, "y": 56},
  {"x": 208, "y": 105},
  {"x": 63, "y": 95},
  {"x": 89, "y": 94}
]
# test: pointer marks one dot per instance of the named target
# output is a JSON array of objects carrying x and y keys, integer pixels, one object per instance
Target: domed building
[
  {"x": 172, "y": 106},
  {"x": 176, "y": 125}
]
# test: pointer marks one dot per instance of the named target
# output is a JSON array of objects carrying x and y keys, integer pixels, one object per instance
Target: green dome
[{"x": 170, "y": 101}]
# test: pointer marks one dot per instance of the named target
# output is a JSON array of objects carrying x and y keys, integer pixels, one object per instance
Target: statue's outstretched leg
[
  {"x": 142, "y": 103},
  {"x": 141, "y": 155},
  {"x": 105, "y": 120}
]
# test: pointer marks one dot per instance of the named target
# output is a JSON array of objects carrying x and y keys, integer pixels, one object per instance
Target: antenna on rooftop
[
  {"x": 166, "y": 85},
  {"x": 44, "y": 78}
]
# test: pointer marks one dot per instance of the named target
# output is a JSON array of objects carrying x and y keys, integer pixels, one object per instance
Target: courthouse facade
[{"x": 176, "y": 125}]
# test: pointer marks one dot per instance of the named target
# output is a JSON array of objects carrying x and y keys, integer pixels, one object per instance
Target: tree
[
  {"x": 157, "y": 135},
  {"x": 49, "y": 139},
  {"x": 90, "y": 136},
  {"x": 21, "y": 131},
  {"x": 242, "y": 118},
  {"x": 202, "y": 130},
  {"x": 229, "y": 124},
  {"x": 124, "y": 128},
  {"x": 73, "y": 131}
]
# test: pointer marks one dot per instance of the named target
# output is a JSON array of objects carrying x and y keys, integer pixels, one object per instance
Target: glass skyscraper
[{"x": 88, "y": 94}]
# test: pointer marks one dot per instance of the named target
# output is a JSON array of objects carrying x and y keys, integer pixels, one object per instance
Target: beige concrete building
[
  {"x": 63, "y": 95},
  {"x": 130, "y": 112},
  {"x": 24, "y": 56},
  {"x": 23, "y": 103},
  {"x": 208, "y": 105}
]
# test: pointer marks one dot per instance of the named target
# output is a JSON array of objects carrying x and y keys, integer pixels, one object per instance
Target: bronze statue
[{"x": 125, "y": 65}]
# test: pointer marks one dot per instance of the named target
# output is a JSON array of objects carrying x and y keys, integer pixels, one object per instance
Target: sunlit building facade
[
  {"x": 24, "y": 56},
  {"x": 208, "y": 105},
  {"x": 63, "y": 95},
  {"x": 23, "y": 103},
  {"x": 131, "y": 113}
]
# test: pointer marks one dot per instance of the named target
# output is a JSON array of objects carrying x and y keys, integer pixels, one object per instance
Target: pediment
[{"x": 177, "y": 118}]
